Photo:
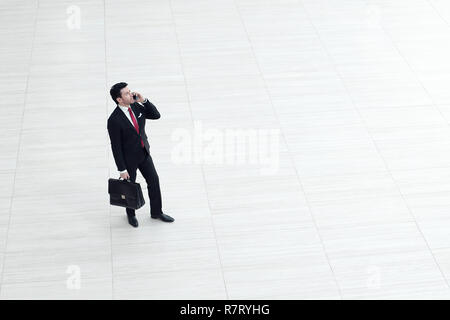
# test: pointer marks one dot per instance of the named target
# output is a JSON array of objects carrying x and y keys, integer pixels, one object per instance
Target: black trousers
[{"x": 148, "y": 171}]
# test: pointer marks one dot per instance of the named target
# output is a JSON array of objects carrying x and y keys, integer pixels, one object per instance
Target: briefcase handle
[{"x": 124, "y": 179}]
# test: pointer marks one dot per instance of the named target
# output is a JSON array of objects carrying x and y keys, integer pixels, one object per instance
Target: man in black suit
[{"x": 130, "y": 148}]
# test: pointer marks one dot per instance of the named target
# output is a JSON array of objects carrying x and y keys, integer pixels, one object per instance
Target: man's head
[{"x": 121, "y": 94}]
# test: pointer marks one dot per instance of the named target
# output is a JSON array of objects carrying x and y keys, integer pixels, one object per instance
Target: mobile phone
[{"x": 135, "y": 96}]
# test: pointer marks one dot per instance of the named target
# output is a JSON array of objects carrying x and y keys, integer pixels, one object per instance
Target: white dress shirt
[{"x": 127, "y": 114}]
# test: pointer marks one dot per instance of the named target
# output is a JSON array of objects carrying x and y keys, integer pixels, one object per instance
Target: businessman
[{"x": 130, "y": 148}]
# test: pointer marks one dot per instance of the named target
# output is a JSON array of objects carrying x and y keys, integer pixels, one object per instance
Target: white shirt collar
[{"x": 124, "y": 108}]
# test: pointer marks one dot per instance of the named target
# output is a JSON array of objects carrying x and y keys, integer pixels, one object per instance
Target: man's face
[{"x": 126, "y": 97}]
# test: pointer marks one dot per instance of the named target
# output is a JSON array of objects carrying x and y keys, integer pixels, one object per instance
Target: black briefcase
[{"x": 125, "y": 193}]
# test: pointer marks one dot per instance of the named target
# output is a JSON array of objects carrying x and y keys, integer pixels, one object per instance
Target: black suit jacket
[{"x": 125, "y": 141}]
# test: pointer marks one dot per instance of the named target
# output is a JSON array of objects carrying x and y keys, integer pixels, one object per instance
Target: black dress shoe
[
  {"x": 133, "y": 221},
  {"x": 164, "y": 217}
]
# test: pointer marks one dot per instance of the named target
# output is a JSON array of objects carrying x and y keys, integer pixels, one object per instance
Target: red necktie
[{"x": 135, "y": 124}]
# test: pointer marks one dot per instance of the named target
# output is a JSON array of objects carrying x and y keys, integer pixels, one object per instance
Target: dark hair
[{"x": 115, "y": 91}]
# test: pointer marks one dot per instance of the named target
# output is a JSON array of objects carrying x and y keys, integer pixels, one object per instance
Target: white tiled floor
[{"x": 358, "y": 208}]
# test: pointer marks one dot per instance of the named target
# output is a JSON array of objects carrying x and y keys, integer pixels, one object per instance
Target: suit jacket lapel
[
  {"x": 124, "y": 118},
  {"x": 137, "y": 113}
]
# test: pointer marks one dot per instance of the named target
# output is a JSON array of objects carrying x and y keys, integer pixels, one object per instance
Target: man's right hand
[{"x": 125, "y": 175}]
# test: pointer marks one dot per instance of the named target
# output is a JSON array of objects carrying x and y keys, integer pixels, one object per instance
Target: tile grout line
[
  {"x": 436, "y": 105},
  {"x": 201, "y": 165},
  {"x": 437, "y": 12},
  {"x": 373, "y": 141},
  {"x": 123, "y": 274},
  {"x": 107, "y": 147},
  {"x": 20, "y": 140},
  {"x": 289, "y": 152},
  {"x": 388, "y": 35}
]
